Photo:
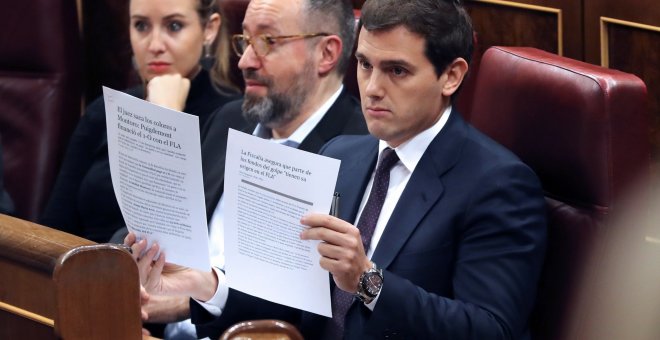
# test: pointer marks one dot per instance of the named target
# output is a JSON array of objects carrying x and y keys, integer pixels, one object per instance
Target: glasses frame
[{"x": 268, "y": 41}]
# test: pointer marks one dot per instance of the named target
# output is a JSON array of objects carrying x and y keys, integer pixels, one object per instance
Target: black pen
[{"x": 334, "y": 207}]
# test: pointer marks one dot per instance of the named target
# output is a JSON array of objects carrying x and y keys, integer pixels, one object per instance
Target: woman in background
[{"x": 168, "y": 39}]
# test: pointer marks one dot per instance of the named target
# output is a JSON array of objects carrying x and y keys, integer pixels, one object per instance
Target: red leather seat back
[
  {"x": 39, "y": 95},
  {"x": 583, "y": 129}
]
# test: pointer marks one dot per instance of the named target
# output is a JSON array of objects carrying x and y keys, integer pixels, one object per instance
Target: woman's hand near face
[{"x": 169, "y": 90}]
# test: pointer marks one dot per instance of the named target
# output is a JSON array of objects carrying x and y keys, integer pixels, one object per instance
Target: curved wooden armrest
[
  {"x": 57, "y": 285},
  {"x": 262, "y": 330}
]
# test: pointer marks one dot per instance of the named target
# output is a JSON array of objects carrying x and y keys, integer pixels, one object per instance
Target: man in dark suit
[
  {"x": 459, "y": 242},
  {"x": 443, "y": 236},
  {"x": 293, "y": 70}
]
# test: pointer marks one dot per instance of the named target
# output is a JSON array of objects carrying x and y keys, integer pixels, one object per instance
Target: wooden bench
[{"x": 56, "y": 285}]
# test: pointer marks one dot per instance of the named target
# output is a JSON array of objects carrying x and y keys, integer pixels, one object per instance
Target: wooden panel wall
[
  {"x": 553, "y": 26},
  {"x": 535, "y": 23},
  {"x": 515, "y": 24},
  {"x": 625, "y": 35}
]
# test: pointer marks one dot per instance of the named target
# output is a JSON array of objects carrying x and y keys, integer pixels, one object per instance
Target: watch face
[{"x": 373, "y": 284}]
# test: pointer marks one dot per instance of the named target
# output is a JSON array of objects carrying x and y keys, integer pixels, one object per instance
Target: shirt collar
[
  {"x": 306, "y": 127},
  {"x": 411, "y": 151}
]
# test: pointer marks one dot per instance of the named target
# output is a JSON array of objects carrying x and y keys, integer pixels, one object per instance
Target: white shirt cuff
[
  {"x": 217, "y": 303},
  {"x": 371, "y": 305}
]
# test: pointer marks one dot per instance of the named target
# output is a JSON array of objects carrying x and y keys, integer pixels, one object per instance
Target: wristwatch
[{"x": 370, "y": 284}]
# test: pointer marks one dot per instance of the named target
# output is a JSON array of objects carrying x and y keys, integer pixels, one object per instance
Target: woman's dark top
[
  {"x": 6, "y": 204},
  {"x": 83, "y": 201}
]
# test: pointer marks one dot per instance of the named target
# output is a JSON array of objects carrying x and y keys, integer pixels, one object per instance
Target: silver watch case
[{"x": 370, "y": 284}]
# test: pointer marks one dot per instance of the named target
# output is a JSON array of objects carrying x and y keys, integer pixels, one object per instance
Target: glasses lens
[
  {"x": 239, "y": 44},
  {"x": 260, "y": 45}
]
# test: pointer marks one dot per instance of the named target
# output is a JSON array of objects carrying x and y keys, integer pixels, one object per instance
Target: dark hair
[
  {"x": 220, "y": 72},
  {"x": 444, "y": 24},
  {"x": 336, "y": 17},
  {"x": 205, "y": 9}
]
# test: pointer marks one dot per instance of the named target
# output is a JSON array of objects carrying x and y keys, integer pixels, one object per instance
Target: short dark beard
[
  {"x": 278, "y": 108},
  {"x": 271, "y": 110}
]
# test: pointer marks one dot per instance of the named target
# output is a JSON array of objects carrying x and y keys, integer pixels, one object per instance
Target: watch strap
[{"x": 363, "y": 292}]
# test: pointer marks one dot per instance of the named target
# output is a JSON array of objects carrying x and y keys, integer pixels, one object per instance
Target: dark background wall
[{"x": 106, "y": 46}]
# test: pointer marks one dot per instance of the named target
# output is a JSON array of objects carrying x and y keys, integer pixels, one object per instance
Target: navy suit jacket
[{"x": 463, "y": 249}]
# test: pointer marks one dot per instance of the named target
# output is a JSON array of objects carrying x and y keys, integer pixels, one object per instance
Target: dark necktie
[{"x": 341, "y": 300}]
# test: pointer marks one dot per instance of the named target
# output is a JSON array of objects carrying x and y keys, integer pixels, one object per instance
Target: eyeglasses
[{"x": 262, "y": 44}]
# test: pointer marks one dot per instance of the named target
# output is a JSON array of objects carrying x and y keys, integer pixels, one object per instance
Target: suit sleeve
[{"x": 500, "y": 245}]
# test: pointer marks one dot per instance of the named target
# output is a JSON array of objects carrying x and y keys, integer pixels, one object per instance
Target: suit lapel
[
  {"x": 423, "y": 191},
  {"x": 213, "y": 169},
  {"x": 216, "y": 187}
]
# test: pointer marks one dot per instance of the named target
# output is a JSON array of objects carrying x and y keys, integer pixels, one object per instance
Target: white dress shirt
[{"x": 409, "y": 152}]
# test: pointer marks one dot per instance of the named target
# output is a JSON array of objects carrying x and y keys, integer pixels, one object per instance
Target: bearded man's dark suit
[
  {"x": 344, "y": 117},
  {"x": 463, "y": 248}
]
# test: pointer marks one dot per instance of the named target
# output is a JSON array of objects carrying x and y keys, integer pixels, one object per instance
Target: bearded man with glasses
[{"x": 293, "y": 55}]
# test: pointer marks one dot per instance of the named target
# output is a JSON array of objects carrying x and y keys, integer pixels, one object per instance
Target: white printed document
[
  {"x": 268, "y": 188},
  {"x": 156, "y": 168}
]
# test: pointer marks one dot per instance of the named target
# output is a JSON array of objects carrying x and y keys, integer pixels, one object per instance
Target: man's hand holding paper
[{"x": 268, "y": 188}]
